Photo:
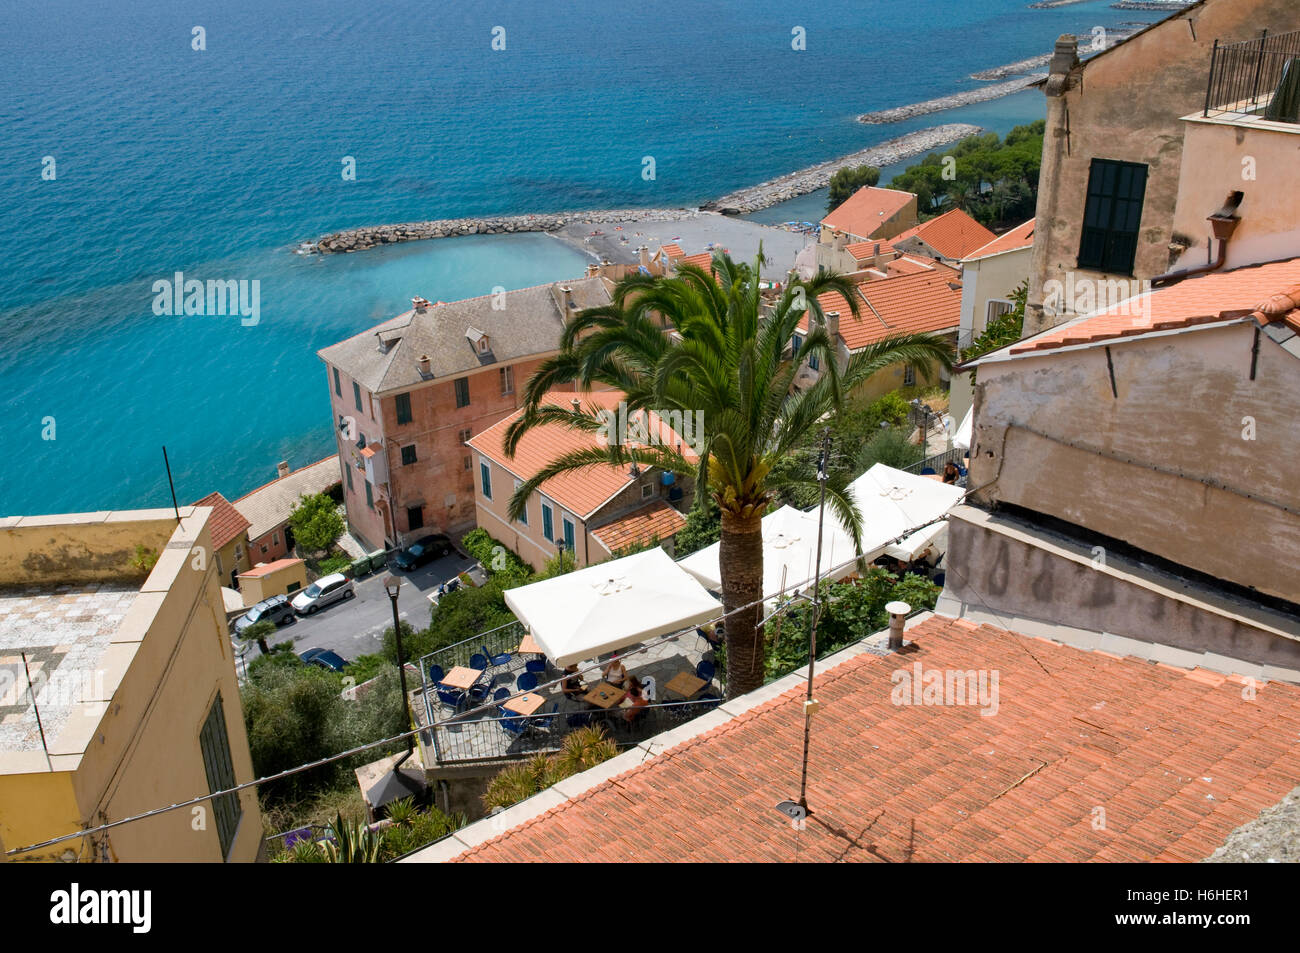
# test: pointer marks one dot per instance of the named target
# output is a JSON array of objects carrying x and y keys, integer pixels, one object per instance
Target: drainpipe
[{"x": 1223, "y": 223}]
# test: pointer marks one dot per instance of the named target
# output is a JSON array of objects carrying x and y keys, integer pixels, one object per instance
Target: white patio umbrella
[
  {"x": 892, "y": 502},
  {"x": 585, "y": 613},
  {"x": 789, "y": 553},
  {"x": 961, "y": 439}
]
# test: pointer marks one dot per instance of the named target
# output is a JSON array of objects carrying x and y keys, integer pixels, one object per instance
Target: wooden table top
[
  {"x": 461, "y": 677},
  {"x": 685, "y": 684},
  {"x": 525, "y": 704},
  {"x": 604, "y": 695},
  {"x": 529, "y": 647}
]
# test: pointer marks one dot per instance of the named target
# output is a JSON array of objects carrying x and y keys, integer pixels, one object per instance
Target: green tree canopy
[
  {"x": 316, "y": 522},
  {"x": 846, "y": 181}
]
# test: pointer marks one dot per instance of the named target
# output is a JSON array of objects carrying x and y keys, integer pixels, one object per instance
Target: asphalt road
[{"x": 356, "y": 626}]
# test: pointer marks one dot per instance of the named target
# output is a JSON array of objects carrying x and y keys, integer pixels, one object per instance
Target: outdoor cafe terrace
[{"x": 490, "y": 697}]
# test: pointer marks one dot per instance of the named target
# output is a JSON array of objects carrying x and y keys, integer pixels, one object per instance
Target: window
[
  {"x": 462, "y": 392},
  {"x": 796, "y": 342},
  {"x": 485, "y": 477},
  {"x": 1108, "y": 239},
  {"x": 214, "y": 744},
  {"x": 361, "y": 439},
  {"x": 408, "y": 455},
  {"x": 404, "y": 409},
  {"x": 356, "y": 394},
  {"x": 507, "y": 380},
  {"x": 909, "y": 375},
  {"x": 415, "y": 517},
  {"x": 465, "y": 434},
  {"x": 264, "y": 550},
  {"x": 523, "y": 517},
  {"x": 548, "y": 523},
  {"x": 468, "y": 461},
  {"x": 568, "y": 534},
  {"x": 338, "y": 385},
  {"x": 370, "y": 496},
  {"x": 814, "y": 363},
  {"x": 239, "y": 552},
  {"x": 647, "y": 491},
  {"x": 347, "y": 471},
  {"x": 996, "y": 308},
  {"x": 275, "y": 538}
]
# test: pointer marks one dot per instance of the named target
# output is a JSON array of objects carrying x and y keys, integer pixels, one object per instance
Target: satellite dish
[{"x": 793, "y": 810}]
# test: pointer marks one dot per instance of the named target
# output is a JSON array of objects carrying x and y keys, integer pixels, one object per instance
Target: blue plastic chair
[
  {"x": 477, "y": 661},
  {"x": 927, "y": 471},
  {"x": 513, "y": 724},
  {"x": 436, "y": 674},
  {"x": 705, "y": 670},
  {"x": 536, "y": 666},
  {"x": 579, "y": 719},
  {"x": 502, "y": 659},
  {"x": 542, "y": 723},
  {"x": 500, "y": 693},
  {"x": 527, "y": 682},
  {"x": 451, "y": 697},
  {"x": 480, "y": 690}
]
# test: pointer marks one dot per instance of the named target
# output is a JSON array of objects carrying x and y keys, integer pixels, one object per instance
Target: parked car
[
  {"x": 424, "y": 550},
  {"x": 277, "y": 609},
  {"x": 324, "y": 658},
  {"x": 325, "y": 591}
]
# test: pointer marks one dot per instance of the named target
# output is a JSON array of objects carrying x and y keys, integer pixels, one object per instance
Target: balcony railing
[{"x": 1247, "y": 77}]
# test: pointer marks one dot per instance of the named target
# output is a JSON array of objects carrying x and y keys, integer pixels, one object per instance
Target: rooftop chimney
[
  {"x": 644, "y": 254},
  {"x": 566, "y": 301},
  {"x": 833, "y": 324},
  {"x": 420, "y": 305},
  {"x": 837, "y": 241},
  {"x": 897, "y": 616},
  {"x": 577, "y": 405},
  {"x": 424, "y": 365},
  {"x": 282, "y": 469}
]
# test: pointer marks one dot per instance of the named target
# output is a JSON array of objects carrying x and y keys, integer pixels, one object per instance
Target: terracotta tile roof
[
  {"x": 703, "y": 260},
  {"x": 865, "y": 251},
  {"x": 1253, "y": 290},
  {"x": 1177, "y": 759},
  {"x": 656, "y": 521},
  {"x": 953, "y": 234},
  {"x": 1022, "y": 236},
  {"x": 929, "y": 301},
  {"x": 269, "y": 505},
  {"x": 226, "y": 522},
  {"x": 672, "y": 250},
  {"x": 581, "y": 492},
  {"x": 866, "y": 210},
  {"x": 268, "y": 568},
  {"x": 907, "y": 265}
]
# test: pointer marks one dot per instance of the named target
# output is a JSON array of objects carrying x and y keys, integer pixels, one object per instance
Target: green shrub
[
  {"x": 494, "y": 555},
  {"x": 316, "y": 522}
]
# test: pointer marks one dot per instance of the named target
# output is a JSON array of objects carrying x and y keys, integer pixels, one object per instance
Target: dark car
[
  {"x": 424, "y": 550},
  {"x": 278, "y": 609},
  {"x": 324, "y": 658}
]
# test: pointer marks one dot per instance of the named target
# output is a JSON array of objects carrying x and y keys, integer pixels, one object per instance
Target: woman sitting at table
[
  {"x": 616, "y": 673},
  {"x": 572, "y": 685},
  {"x": 634, "y": 702}
]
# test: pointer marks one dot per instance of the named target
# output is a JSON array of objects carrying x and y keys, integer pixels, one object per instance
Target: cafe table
[
  {"x": 685, "y": 684},
  {"x": 529, "y": 647},
  {"x": 604, "y": 696},
  {"x": 461, "y": 677},
  {"x": 525, "y": 704}
]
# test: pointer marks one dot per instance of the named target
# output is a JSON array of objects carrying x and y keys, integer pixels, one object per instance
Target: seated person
[
  {"x": 615, "y": 673},
  {"x": 572, "y": 685},
  {"x": 714, "y": 635},
  {"x": 634, "y": 702},
  {"x": 950, "y": 472}
]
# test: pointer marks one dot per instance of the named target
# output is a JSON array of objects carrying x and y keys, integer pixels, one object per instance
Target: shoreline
[
  {"x": 739, "y": 202},
  {"x": 983, "y": 94}
]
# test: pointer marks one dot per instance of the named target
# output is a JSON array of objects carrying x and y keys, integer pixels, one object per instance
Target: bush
[
  {"x": 703, "y": 528},
  {"x": 583, "y": 749},
  {"x": 494, "y": 555},
  {"x": 338, "y": 562},
  {"x": 890, "y": 447},
  {"x": 316, "y": 522}
]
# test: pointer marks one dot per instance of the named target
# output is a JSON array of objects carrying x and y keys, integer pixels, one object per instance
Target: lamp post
[
  {"x": 391, "y": 586},
  {"x": 925, "y": 412}
]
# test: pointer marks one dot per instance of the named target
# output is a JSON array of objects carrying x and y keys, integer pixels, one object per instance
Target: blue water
[{"x": 214, "y": 163}]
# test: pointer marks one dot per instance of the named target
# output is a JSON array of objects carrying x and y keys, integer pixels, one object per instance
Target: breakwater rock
[
  {"x": 356, "y": 239},
  {"x": 1013, "y": 69},
  {"x": 983, "y": 94},
  {"x": 773, "y": 191}
]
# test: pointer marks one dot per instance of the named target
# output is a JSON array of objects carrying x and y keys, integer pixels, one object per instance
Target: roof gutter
[{"x": 1223, "y": 223}]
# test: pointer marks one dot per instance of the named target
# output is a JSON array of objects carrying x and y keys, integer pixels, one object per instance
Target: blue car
[{"x": 324, "y": 658}]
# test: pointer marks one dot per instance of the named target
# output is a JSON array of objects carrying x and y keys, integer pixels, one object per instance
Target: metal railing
[
  {"x": 1244, "y": 76},
  {"x": 485, "y": 738},
  {"x": 502, "y": 640},
  {"x": 939, "y": 461}
]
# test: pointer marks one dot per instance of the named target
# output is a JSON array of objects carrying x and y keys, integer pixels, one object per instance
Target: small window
[
  {"x": 507, "y": 380},
  {"x": 647, "y": 491},
  {"x": 909, "y": 375},
  {"x": 465, "y": 434},
  {"x": 239, "y": 552},
  {"x": 275, "y": 537},
  {"x": 462, "y": 392},
  {"x": 485, "y": 478},
  {"x": 361, "y": 439},
  {"x": 996, "y": 308},
  {"x": 293, "y": 587},
  {"x": 338, "y": 384},
  {"x": 264, "y": 550},
  {"x": 468, "y": 461},
  {"x": 548, "y": 523},
  {"x": 214, "y": 745},
  {"x": 1112, "y": 216},
  {"x": 347, "y": 471},
  {"x": 523, "y": 517},
  {"x": 415, "y": 517},
  {"x": 408, "y": 455},
  {"x": 404, "y": 409},
  {"x": 356, "y": 394},
  {"x": 370, "y": 496},
  {"x": 814, "y": 363},
  {"x": 568, "y": 534}
]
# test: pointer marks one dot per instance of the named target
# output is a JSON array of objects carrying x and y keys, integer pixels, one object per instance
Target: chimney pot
[
  {"x": 898, "y": 612},
  {"x": 282, "y": 468},
  {"x": 424, "y": 364},
  {"x": 577, "y": 405}
]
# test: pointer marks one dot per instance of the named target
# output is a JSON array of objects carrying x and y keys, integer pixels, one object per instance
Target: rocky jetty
[
  {"x": 1165, "y": 6},
  {"x": 765, "y": 194},
  {"x": 983, "y": 94},
  {"x": 1013, "y": 69}
]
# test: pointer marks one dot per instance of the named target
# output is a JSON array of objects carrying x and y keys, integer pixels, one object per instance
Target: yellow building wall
[{"x": 256, "y": 588}]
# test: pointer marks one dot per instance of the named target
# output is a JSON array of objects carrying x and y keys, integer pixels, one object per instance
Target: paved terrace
[{"x": 485, "y": 739}]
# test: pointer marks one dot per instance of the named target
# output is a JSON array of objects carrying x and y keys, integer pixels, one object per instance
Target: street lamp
[
  {"x": 925, "y": 412},
  {"x": 391, "y": 586}
]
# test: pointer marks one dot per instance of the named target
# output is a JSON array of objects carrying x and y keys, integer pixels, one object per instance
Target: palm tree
[{"x": 729, "y": 356}]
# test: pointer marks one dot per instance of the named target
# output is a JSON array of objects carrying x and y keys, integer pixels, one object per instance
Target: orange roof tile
[
  {"x": 268, "y": 568},
  {"x": 1256, "y": 290},
  {"x": 672, "y": 250},
  {"x": 1176, "y": 762},
  {"x": 929, "y": 301},
  {"x": 656, "y": 521},
  {"x": 953, "y": 234},
  {"x": 703, "y": 260},
  {"x": 866, "y": 210},
  {"x": 865, "y": 251},
  {"x": 1022, "y": 236},
  {"x": 581, "y": 492},
  {"x": 907, "y": 265},
  {"x": 226, "y": 522}
]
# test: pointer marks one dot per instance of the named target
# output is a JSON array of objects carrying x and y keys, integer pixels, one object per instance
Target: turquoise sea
[{"x": 216, "y": 162}]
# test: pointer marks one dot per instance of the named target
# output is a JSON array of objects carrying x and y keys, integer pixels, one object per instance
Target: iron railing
[
  {"x": 502, "y": 640},
  {"x": 1244, "y": 76},
  {"x": 937, "y": 462}
]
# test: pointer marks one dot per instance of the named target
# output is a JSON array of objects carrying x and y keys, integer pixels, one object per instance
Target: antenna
[
  {"x": 171, "y": 484},
  {"x": 37, "y": 710}
]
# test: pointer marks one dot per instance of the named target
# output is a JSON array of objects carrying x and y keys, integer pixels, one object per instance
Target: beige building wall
[
  {"x": 278, "y": 582},
  {"x": 1190, "y": 459}
]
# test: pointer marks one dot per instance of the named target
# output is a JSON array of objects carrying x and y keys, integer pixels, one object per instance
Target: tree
[
  {"x": 316, "y": 522},
  {"x": 890, "y": 447},
  {"x": 846, "y": 181},
  {"x": 259, "y": 632},
  {"x": 732, "y": 361}
]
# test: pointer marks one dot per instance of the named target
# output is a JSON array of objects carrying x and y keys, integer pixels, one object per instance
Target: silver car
[{"x": 325, "y": 591}]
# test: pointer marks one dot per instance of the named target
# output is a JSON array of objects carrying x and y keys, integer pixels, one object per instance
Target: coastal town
[{"x": 955, "y": 524}]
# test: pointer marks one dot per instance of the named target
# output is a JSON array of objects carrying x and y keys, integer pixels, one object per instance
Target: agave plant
[
  {"x": 402, "y": 811},
  {"x": 354, "y": 843},
  {"x": 585, "y": 748}
]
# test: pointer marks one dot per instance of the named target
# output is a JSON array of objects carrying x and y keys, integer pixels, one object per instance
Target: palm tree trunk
[{"x": 741, "y": 566}]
